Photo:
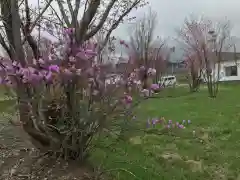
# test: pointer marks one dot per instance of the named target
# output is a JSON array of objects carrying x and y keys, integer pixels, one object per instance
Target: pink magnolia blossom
[
  {"x": 54, "y": 68},
  {"x": 155, "y": 87},
  {"x": 152, "y": 71},
  {"x": 128, "y": 99}
]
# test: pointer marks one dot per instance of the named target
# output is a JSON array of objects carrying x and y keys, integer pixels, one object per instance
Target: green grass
[{"x": 213, "y": 153}]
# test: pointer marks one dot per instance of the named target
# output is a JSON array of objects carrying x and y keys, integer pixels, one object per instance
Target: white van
[{"x": 168, "y": 81}]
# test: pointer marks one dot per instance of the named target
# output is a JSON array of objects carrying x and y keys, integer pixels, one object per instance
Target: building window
[{"x": 231, "y": 71}]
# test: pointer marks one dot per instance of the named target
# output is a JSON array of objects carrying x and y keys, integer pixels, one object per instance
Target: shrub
[{"x": 66, "y": 103}]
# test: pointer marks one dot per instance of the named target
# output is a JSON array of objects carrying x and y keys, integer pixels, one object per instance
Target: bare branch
[
  {"x": 142, "y": 37},
  {"x": 41, "y": 14},
  {"x": 76, "y": 10},
  {"x": 70, "y": 7},
  {"x": 64, "y": 15},
  {"x": 120, "y": 19},
  {"x": 16, "y": 33},
  {"x": 102, "y": 21},
  {"x": 5, "y": 46},
  {"x": 86, "y": 19}
]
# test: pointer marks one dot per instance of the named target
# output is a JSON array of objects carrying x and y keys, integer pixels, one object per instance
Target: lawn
[{"x": 212, "y": 152}]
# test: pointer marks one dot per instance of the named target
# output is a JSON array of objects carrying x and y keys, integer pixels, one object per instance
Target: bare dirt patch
[{"x": 19, "y": 160}]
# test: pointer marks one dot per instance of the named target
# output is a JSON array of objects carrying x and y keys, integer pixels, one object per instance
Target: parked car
[{"x": 168, "y": 81}]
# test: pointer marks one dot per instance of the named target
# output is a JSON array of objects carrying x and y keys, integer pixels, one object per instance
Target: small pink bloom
[
  {"x": 181, "y": 126},
  {"x": 54, "y": 68},
  {"x": 155, "y": 87},
  {"x": 122, "y": 42},
  {"x": 128, "y": 99}
]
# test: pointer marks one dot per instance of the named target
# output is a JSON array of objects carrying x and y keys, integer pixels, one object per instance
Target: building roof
[{"x": 230, "y": 56}]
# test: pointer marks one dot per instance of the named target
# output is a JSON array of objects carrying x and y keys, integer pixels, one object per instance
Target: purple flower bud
[
  {"x": 54, "y": 68},
  {"x": 181, "y": 126},
  {"x": 154, "y": 87},
  {"x": 154, "y": 121}
]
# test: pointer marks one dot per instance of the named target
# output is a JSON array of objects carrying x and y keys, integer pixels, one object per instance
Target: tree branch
[
  {"x": 4, "y": 45},
  {"x": 32, "y": 43},
  {"x": 87, "y": 18},
  {"x": 27, "y": 13},
  {"x": 40, "y": 15},
  {"x": 65, "y": 18},
  {"x": 70, "y": 7},
  {"x": 115, "y": 25},
  {"x": 58, "y": 17},
  {"x": 102, "y": 21},
  {"x": 75, "y": 11},
  {"x": 16, "y": 33}
]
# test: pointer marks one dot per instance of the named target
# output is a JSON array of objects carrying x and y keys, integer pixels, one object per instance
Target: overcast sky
[{"x": 171, "y": 14}]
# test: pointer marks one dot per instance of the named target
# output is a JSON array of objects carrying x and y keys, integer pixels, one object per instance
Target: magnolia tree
[
  {"x": 204, "y": 41},
  {"x": 144, "y": 51},
  {"x": 62, "y": 100}
]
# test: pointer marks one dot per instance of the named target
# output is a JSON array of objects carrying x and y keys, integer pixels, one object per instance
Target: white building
[{"x": 228, "y": 69}]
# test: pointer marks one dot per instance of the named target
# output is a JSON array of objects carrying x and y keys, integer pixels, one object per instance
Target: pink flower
[
  {"x": 122, "y": 42},
  {"x": 128, "y": 99},
  {"x": 181, "y": 126},
  {"x": 155, "y": 87},
  {"x": 54, "y": 68},
  {"x": 152, "y": 71}
]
